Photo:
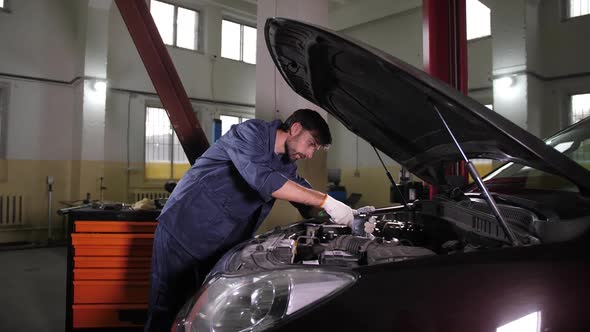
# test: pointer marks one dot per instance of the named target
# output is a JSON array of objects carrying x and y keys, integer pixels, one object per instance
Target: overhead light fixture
[{"x": 505, "y": 82}]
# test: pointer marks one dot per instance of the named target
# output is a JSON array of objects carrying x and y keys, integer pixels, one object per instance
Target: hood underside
[{"x": 390, "y": 104}]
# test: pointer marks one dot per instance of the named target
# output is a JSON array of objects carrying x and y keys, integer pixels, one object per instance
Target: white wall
[
  {"x": 564, "y": 52},
  {"x": 399, "y": 35},
  {"x": 564, "y": 42},
  {"x": 40, "y": 39},
  {"x": 199, "y": 71},
  {"x": 204, "y": 74},
  {"x": 479, "y": 64},
  {"x": 40, "y": 121}
]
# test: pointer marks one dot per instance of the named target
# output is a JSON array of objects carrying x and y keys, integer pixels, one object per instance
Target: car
[{"x": 509, "y": 251}]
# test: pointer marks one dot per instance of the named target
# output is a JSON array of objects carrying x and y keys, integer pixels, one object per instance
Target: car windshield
[{"x": 573, "y": 142}]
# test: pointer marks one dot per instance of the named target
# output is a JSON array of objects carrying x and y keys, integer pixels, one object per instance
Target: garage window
[
  {"x": 577, "y": 8},
  {"x": 229, "y": 120},
  {"x": 478, "y": 20},
  {"x": 238, "y": 42},
  {"x": 164, "y": 157},
  {"x": 178, "y": 26},
  {"x": 580, "y": 107}
]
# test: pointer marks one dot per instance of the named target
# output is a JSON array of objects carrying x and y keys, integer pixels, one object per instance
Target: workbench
[{"x": 108, "y": 268}]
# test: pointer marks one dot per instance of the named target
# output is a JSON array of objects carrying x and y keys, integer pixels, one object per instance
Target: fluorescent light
[{"x": 528, "y": 323}]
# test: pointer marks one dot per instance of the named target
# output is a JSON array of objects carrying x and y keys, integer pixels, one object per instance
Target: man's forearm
[{"x": 294, "y": 192}]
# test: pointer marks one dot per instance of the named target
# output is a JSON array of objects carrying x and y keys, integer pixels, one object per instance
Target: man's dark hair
[{"x": 313, "y": 122}]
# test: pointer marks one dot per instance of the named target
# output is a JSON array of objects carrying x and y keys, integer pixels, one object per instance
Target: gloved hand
[
  {"x": 340, "y": 212},
  {"x": 358, "y": 227}
]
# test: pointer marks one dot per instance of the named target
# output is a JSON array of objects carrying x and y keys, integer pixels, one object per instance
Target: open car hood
[{"x": 390, "y": 104}]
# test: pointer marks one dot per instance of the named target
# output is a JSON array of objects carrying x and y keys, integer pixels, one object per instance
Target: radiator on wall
[
  {"x": 11, "y": 209},
  {"x": 139, "y": 195}
]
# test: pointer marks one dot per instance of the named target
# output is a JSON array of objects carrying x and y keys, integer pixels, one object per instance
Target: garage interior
[{"x": 84, "y": 132}]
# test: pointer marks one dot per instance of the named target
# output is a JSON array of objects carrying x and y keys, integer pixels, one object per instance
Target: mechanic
[{"x": 224, "y": 197}]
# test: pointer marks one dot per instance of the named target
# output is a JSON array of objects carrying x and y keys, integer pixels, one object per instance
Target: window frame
[
  {"x": 480, "y": 37},
  {"x": 198, "y": 32},
  {"x": 157, "y": 104},
  {"x": 241, "y": 117},
  {"x": 570, "y": 107},
  {"x": 241, "y": 24},
  {"x": 565, "y": 11},
  {"x": 6, "y": 7}
]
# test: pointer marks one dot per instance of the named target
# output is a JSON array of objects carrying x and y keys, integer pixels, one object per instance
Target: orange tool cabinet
[{"x": 108, "y": 269}]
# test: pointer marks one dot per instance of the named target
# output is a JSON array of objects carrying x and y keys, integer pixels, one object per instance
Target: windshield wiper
[{"x": 475, "y": 175}]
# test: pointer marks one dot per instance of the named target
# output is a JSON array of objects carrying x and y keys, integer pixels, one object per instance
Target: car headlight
[{"x": 258, "y": 301}]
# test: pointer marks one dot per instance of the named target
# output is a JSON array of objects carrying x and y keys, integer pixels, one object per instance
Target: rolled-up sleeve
[
  {"x": 247, "y": 147},
  {"x": 303, "y": 209}
]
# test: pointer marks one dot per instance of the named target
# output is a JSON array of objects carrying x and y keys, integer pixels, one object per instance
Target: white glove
[{"x": 340, "y": 212}]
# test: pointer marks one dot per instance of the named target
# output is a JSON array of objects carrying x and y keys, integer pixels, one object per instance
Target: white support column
[
  {"x": 89, "y": 154},
  {"x": 515, "y": 55}
]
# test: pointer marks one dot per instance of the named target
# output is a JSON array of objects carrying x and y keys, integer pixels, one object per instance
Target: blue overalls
[{"x": 219, "y": 202}]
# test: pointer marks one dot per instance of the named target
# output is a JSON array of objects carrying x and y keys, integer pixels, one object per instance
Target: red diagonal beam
[{"x": 164, "y": 77}]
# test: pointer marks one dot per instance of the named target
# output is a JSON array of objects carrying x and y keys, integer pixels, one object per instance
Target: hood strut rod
[
  {"x": 391, "y": 179},
  {"x": 477, "y": 178}
]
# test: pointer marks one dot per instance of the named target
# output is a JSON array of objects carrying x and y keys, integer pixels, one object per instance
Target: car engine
[{"x": 432, "y": 227}]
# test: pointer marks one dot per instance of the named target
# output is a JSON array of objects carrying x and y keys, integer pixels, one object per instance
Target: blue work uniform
[{"x": 220, "y": 201}]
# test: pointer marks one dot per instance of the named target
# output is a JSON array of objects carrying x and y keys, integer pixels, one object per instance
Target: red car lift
[
  {"x": 161, "y": 70},
  {"x": 445, "y": 50}
]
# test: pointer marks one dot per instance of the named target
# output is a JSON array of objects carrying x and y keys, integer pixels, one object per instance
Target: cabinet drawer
[
  {"x": 111, "y": 274},
  {"x": 104, "y": 292},
  {"x": 115, "y": 239},
  {"x": 89, "y": 226},
  {"x": 108, "y": 315},
  {"x": 126, "y": 251},
  {"x": 112, "y": 262}
]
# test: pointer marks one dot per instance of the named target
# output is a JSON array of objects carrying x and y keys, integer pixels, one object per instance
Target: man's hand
[{"x": 340, "y": 212}]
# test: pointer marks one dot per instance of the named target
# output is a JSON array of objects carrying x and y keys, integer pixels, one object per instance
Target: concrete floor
[{"x": 32, "y": 289}]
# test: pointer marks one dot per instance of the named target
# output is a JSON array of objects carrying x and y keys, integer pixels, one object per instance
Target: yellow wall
[
  {"x": 161, "y": 171},
  {"x": 73, "y": 179}
]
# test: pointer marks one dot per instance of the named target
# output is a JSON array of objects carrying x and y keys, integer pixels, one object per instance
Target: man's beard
[{"x": 290, "y": 153}]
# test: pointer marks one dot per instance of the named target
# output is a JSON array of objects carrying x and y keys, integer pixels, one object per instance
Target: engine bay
[{"x": 425, "y": 228}]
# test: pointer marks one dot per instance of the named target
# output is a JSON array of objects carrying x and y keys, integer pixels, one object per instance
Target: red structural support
[
  {"x": 164, "y": 77},
  {"x": 445, "y": 50}
]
